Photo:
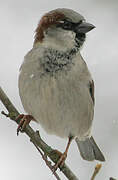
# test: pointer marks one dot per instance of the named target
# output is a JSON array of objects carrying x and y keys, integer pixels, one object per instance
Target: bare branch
[
  {"x": 48, "y": 163},
  {"x": 34, "y": 137},
  {"x": 96, "y": 171}
]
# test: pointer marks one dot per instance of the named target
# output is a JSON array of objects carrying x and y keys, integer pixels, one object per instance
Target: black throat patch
[{"x": 58, "y": 60}]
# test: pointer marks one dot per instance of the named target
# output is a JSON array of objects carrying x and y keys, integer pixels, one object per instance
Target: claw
[
  {"x": 24, "y": 120},
  {"x": 60, "y": 162},
  {"x": 63, "y": 156}
]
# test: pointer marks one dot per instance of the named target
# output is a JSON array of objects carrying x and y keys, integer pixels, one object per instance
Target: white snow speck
[{"x": 31, "y": 76}]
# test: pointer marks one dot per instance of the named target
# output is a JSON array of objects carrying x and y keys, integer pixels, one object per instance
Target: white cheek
[{"x": 71, "y": 34}]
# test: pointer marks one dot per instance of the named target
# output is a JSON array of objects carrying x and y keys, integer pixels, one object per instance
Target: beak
[{"x": 84, "y": 27}]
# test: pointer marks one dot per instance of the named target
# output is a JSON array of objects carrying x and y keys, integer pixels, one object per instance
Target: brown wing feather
[{"x": 91, "y": 89}]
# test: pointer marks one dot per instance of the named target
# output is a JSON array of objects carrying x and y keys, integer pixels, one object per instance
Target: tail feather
[{"x": 89, "y": 150}]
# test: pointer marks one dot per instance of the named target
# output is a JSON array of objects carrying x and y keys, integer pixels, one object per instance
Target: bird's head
[{"x": 62, "y": 28}]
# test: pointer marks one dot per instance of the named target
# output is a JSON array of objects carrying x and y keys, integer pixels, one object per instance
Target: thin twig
[
  {"x": 48, "y": 163},
  {"x": 96, "y": 170},
  {"x": 12, "y": 114}
]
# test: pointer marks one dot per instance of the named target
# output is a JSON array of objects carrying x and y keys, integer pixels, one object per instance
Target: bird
[{"x": 55, "y": 85}]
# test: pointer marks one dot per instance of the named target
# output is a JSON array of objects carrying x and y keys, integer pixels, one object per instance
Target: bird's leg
[
  {"x": 63, "y": 156},
  {"x": 24, "y": 120}
]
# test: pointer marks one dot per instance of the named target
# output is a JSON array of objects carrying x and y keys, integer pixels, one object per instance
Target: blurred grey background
[{"x": 18, "y": 158}]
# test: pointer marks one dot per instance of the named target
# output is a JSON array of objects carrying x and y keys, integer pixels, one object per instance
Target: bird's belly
[{"x": 61, "y": 106}]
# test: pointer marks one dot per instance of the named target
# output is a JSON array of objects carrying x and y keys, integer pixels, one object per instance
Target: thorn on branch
[
  {"x": 37, "y": 133},
  {"x": 2, "y": 112},
  {"x": 11, "y": 115}
]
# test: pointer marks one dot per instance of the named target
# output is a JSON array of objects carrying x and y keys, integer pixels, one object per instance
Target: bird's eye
[
  {"x": 65, "y": 25},
  {"x": 80, "y": 22}
]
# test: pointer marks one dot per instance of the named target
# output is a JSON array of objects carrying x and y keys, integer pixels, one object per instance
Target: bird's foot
[
  {"x": 61, "y": 161},
  {"x": 24, "y": 120}
]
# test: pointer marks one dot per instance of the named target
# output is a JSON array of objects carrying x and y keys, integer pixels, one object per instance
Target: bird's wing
[{"x": 91, "y": 90}]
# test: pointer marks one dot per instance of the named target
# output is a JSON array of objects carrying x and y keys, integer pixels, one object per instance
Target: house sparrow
[{"x": 55, "y": 85}]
